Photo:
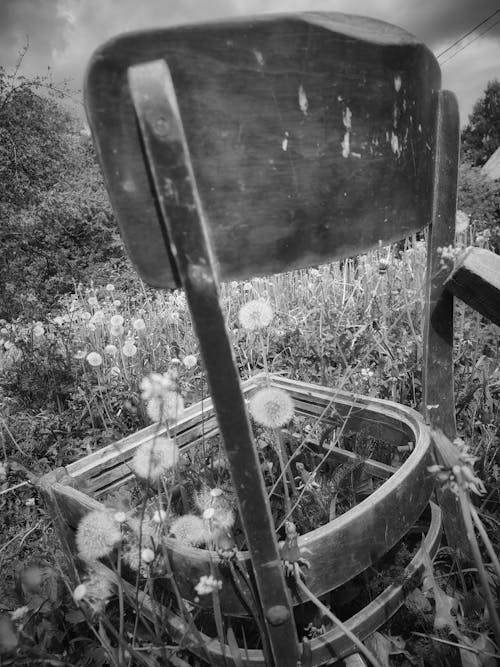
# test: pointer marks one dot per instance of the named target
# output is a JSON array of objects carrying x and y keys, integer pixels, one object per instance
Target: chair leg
[
  {"x": 438, "y": 382},
  {"x": 169, "y": 163}
]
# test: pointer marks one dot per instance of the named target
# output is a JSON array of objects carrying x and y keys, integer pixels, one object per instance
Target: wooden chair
[{"x": 256, "y": 146}]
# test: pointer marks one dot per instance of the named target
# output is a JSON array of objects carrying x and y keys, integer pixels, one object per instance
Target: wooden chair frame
[{"x": 153, "y": 179}]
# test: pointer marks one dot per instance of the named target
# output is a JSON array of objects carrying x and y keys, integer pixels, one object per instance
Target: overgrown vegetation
[{"x": 79, "y": 332}]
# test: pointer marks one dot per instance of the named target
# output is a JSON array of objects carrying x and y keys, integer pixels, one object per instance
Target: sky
[{"x": 62, "y": 34}]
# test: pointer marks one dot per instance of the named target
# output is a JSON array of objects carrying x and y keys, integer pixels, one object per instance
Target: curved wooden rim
[
  {"x": 344, "y": 547},
  {"x": 333, "y": 644}
]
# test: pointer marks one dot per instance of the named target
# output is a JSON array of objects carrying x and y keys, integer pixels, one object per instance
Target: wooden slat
[
  {"x": 310, "y": 138},
  {"x": 182, "y": 217},
  {"x": 438, "y": 383},
  {"x": 475, "y": 279}
]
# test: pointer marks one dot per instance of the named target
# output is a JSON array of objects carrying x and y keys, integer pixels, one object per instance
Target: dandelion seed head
[
  {"x": 116, "y": 321},
  {"x": 111, "y": 349},
  {"x": 167, "y": 408},
  {"x": 94, "y": 359},
  {"x": 110, "y": 287},
  {"x": 153, "y": 459},
  {"x": 255, "y": 314},
  {"x": 190, "y": 361},
  {"x": 129, "y": 349},
  {"x": 139, "y": 324},
  {"x": 271, "y": 407},
  {"x": 189, "y": 529},
  {"x": 147, "y": 556},
  {"x": 97, "y": 535}
]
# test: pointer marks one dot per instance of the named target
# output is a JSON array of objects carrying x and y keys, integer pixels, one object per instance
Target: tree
[
  {"x": 481, "y": 137},
  {"x": 57, "y": 226}
]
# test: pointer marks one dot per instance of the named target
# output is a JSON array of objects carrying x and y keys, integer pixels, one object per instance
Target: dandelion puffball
[
  {"x": 94, "y": 359},
  {"x": 189, "y": 529},
  {"x": 129, "y": 349},
  {"x": 190, "y": 361},
  {"x": 153, "y": 459},
  {"x": 97, "y": 535},
  {"x": 255, "y": 314},
  {"x": 271, "y": 407},
  {"x": 166, "y": 408}
]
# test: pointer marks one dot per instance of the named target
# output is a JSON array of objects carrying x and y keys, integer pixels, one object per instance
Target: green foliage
[
  {"x": 57, "y": 226},
  {"x": 479, "y": 197},
  {"x": 481, "y": 137}
]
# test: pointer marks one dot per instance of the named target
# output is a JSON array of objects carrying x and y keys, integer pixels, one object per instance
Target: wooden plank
[
  {"x": 475, "y": 279},
  {"x": 182, "y": 216},
  {"x": 438, "y": 383},
  {"x": 309, "y": 134}
]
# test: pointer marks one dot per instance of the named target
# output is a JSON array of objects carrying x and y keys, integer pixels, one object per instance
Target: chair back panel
[{"x": 310, "y": 138}]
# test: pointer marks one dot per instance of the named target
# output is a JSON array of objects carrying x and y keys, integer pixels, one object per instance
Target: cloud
[
  {"x": 64, "y": 33},
  {"x": 40, "y": 21}
]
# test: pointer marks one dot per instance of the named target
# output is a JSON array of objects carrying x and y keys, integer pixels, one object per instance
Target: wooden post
[
  {"x": 438, "y": 384},
  {"x": 185, "y": 232}
]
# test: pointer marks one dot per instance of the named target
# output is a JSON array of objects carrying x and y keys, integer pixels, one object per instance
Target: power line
[
  {"x": 469, "y": 33},
  {"x": 470, "y": 41}
]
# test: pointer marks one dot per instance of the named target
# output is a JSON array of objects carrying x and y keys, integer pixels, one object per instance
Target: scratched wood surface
[
  {"x": 310, "y": 137},
  {"x": 475, "y": 279}
]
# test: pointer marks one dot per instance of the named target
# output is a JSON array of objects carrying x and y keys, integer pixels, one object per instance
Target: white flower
[
  {"x": 38, "y": 330},
  {"x": 111, "y": 349},
  {"x": 110, "y": 287},
  {"x": 139, "y": 324},
  {"x": 207, "y": 584},
  {"x": 93, "y": 301},
  {"x": 166, "y": 408},
  {"x": 153, "y": 459},
  {"x": 271, "y": 407},
  {"x": 255, "y": 314},
  {"x": 190, "y": 361},
  {"x": 94, "y": 359},
  {"x": 80, "y": 592},
  {"x": 147, "y": 555},
  {"x": 159, "y": 516},
  {"x": 129, "y": 349}
]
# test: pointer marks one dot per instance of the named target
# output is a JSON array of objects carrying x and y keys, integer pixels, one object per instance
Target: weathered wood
[
  {"x": 318, "y": 650},
  {"x": 438, "y": 383},
  {"x": 475, "y": 279},
  {"x": 182, "y": 216},
  {"x": 364, "y": 533},
  {"x": 309, "y": 136}
]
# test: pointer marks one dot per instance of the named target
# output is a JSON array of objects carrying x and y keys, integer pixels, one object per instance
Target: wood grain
[
  {"x": 475, "y": 279},
  {"x": 310, "y": 138}
]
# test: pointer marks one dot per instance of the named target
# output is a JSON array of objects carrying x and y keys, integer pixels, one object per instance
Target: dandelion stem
[
  {"x": 486, "y": 540},
  {"x": 469, "y": 527}
]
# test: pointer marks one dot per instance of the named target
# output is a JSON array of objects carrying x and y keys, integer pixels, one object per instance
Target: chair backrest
[{"x": 310, "y": 138}]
